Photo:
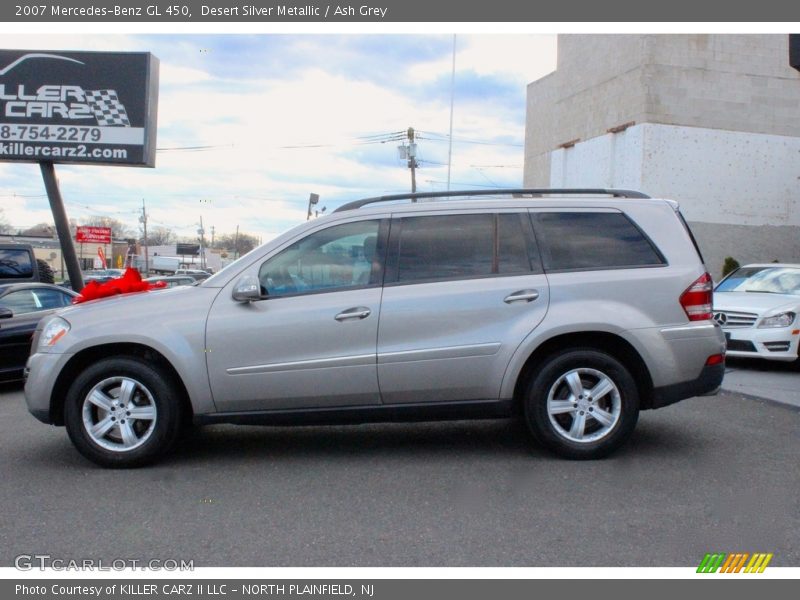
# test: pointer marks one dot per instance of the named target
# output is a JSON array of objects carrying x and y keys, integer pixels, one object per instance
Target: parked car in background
[
  {"x": 197, "y": 274},
  {"x": 18, "y": 264},
  {"x": 173, "y": 280},
  {"x": 757, "y": 306},
  {"x": 572, "y": 309},
  {"x": 87, "y": 277},
  {"x": 22, "y": 306},
  {"x": 113, "y": 273}
]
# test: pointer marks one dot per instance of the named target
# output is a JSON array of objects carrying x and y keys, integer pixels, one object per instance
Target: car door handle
[
  {"x": 521, "y": 296},
  {"x": 359, "y": 312}
]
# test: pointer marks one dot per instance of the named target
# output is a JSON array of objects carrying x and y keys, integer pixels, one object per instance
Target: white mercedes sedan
[{"x": 757, "y": 307}]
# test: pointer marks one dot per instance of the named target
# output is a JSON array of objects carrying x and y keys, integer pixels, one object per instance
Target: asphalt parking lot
[
  {"x": 708, "y": 474},
  {"x": 774, "y": 381}
]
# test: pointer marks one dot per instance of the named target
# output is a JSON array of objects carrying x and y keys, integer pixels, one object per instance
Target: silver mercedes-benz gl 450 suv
[{"x": 574, "y": 309}]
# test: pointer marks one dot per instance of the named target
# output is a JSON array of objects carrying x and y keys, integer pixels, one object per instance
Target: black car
[{"x": 22, "y": 306}]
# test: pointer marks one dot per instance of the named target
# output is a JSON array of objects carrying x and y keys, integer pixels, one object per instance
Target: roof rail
[{"x": 514, "y": 192}]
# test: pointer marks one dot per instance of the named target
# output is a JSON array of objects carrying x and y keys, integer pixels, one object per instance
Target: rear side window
[
  {"x": 587, "y": 240},
  {"x": 461, "y": 246},
  {"x": 15, "y": 264}
]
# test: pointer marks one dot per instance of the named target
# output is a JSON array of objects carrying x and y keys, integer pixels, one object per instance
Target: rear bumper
[{"x": 706, "y": 384}]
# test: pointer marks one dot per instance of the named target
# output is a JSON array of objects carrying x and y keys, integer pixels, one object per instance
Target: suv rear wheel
[
  {"x": 582, "y": 404},
  {"x": 123, "y": 412}
]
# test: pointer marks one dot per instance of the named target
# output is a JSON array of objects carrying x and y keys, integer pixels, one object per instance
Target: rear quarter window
[
  {"x": 15, "y": 264},
  {"x": 592, "y": 240}
]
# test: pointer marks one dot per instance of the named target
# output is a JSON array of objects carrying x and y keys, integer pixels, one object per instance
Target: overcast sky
[{"x": 250, "y": 96}]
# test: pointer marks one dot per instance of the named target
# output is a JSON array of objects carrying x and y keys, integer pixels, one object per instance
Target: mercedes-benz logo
[{"x": 721, "y": 318}]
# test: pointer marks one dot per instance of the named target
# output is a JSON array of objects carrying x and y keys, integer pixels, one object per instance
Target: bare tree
[
  {"x": 160, "y": 236},
  {"x": 40, "y": 230},
  {"x": 4, "y": 225},
  {"x": 241, "y": 245}
]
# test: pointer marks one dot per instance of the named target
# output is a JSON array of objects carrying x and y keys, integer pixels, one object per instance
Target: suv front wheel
[
  {"x": 123, "y": 412},
  {"x": 582, "y": 404}
]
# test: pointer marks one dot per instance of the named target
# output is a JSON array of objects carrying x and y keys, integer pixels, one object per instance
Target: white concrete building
[{"x": 712, "y": 121}]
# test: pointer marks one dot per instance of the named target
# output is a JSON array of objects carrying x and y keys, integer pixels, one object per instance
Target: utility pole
[
  {"x": 62, "y": 225},
  {"x": 212, "y": 236},
  {"x": 202, "y": 233},
  {"x": 143, "y": 220},
  {"x": 236, "y": 244},
  {"x": 412, "y": 159}
]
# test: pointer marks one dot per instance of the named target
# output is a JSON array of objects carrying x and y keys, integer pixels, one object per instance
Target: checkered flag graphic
[{"x": 107, "y": 108}]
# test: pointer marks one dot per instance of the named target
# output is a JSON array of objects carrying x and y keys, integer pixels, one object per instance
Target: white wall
[
  {"x": 739, "y": 191},
  {"x": 605, "y": 161},
  {"x": 723, "y": 177},
  {"x": 726, "y": 177}
]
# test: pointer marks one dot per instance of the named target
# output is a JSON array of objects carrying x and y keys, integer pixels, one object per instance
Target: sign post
[
  {"x": 62, "y": 225},
  {"x": 77, "y": 108}
]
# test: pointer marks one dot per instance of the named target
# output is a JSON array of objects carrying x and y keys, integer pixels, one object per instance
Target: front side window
[
  {"x": 461, "y": 246},
  {"x": 33, "y": 300},
  {"x": 20, "y": 302},
  {"x": 335, "y": 258},
  {"x": 592, "y": 240}
]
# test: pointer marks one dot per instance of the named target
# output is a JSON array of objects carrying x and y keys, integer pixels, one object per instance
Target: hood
[
  {"x": 755, "y": 302},
  {"x": 139, "y": 304}
]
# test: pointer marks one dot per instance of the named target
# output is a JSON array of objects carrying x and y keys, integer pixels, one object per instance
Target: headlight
[
  {"x": 55, "y": 329},
  {"x": 781, "y": 320}
]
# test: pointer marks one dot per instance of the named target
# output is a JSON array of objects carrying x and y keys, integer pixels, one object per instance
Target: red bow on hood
[{"x": 130, "y": 282}]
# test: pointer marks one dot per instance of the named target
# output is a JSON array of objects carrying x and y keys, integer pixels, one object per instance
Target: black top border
[{"x": 396, "y": 11}]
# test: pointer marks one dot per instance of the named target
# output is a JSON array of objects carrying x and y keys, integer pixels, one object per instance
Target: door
[
  {"x": 461, "y": 293},
  {"x": 312, "y": 342}
]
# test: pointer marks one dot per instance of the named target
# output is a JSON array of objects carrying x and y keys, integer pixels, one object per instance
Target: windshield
[{"x": 768, "y": 280}]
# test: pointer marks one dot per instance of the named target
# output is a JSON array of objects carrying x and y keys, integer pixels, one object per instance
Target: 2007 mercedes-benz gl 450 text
[{"x": 574, "y": 309}]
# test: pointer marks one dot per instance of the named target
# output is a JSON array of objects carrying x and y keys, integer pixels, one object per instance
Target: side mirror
[
  {"x": 248, "y": 289},
  {"x": 6, "y": 313}
]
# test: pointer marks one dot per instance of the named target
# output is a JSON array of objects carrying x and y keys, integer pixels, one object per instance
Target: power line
[
  {"x": 193, "y": 148},
  {"x": 441, "y": 137},
  {"x": 361, "y": 140},
  {"x": 463, "y": 183}
]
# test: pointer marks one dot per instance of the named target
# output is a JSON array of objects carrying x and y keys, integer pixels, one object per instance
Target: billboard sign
[
  {"x": 187, "y": 249},
  {"x": 78, "y": 107},
  {"x": 93, "y": 235}
]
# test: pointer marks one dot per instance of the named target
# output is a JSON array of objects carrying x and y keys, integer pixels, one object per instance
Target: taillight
[{"x": 697, "y": 299}]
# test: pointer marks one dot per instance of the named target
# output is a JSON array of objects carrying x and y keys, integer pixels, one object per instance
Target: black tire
[
  {"x": 153, "y": 393},
  {"x": 46, "y": 273},
  {"x": 619, "y": 406}
]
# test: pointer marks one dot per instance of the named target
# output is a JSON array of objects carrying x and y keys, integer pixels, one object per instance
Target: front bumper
[
  {"x": 771, "y": 344},
  {"x": 707, "y": 384},
  {"x": 41, "y": 373}
]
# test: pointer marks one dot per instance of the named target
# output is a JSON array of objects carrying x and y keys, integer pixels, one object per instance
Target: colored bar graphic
[
  {"x": 711, "y": 562},
  {"x": 758, "y": 563},
  {"x": 733, "y": 562}
]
